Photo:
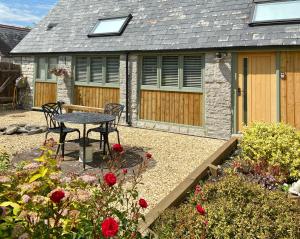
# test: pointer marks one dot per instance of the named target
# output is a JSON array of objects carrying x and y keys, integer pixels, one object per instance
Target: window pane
[
  {"x": 192, "y": 71},
  {"x": 149, "y": 70},
  {"x": 52, "y": 63},
  {"x": 81, "y": 69},
  {"x": 109, "y": 26},
  {"x": 285, "y": 10},
  {"x": 112, "y": 69},
  {"x": 41, "y": 68},
  {"x": 96, "y": 69},
  {"x": 170, "y": 71}
]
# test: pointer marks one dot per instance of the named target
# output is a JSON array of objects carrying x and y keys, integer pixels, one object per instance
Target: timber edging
[{"x": 179, "y": 193}]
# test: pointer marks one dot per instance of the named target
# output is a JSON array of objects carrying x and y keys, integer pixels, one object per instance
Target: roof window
[
  {"x": 275, "y": 12},
  {"x": 110, "y": 26}
]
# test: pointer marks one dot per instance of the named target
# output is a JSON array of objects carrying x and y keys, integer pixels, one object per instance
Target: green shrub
[
  {"x": 236, "y": 208},
  {"x": 276, "y": 144},
  {"x": 4, "y": 160}
]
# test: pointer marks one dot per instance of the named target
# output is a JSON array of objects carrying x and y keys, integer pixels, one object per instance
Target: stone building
[{"x": 195, "y": 67}]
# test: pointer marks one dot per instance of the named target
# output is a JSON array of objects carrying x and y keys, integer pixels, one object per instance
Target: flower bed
[
  {"x": 248, "y": 198},
  {"x": 37, "y": 201}
]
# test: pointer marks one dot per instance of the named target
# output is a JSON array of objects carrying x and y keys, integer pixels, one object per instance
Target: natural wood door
[
  {"x": 290, "y": 88},
  {"x": 256, "y": 88},
  {"x": 45, "y": 92}
]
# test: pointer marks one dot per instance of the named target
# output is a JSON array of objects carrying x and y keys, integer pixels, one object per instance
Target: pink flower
[
  {"x": 31, "y": 166},
  {"x": 4, "y": 179},
  {"x": 88, "y": 178},
  {"x": 25, "y": 198},
  {"x": 125, "y": 171},
  {"x": 200, "y": 209}
]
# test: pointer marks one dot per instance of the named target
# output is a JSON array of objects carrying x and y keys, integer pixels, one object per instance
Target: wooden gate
[
  {"x": 256, "y": 100},
  {"x": 290, "y": 88}
]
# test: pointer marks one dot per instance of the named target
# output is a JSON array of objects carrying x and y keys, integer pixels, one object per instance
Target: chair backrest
[
  {"x": 115, "y": 110},
  {"x": 50, "y": 110}
]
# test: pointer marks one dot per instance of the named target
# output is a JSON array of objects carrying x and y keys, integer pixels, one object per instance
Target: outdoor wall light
[{"x": 220, "y": 56}]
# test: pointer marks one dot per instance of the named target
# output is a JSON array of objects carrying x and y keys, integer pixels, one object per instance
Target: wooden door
[
  {"x": 290, "y": 88},
  {"x": 256, "y": 97},
  {"x": 45, "y": 92}
]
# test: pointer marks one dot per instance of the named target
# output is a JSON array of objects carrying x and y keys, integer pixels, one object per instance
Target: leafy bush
[
  {"x": 275, "y": 145},
  {"x": 4, "y": 160},
  {"x": 236, "y": 208},
  {"x": 38, "y": 201}
]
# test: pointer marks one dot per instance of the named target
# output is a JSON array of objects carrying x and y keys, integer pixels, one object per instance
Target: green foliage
[
  {"x": 30, "y": 208},
  {"x": 236, "y": 208},
  {"x": 276, "y": 144},
  {"x": 4, "y": 160}
]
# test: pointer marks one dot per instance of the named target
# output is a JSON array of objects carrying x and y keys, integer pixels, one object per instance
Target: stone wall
[
  {"x": 27, "y": 68},
  {"x": 217, "y": 87},
  {"x": 65, "y": 85}
]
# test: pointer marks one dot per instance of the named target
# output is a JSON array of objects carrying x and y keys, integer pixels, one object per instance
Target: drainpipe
[{"x": 127, "y": 90}]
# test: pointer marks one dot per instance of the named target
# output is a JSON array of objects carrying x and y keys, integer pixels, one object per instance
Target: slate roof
[
  {"x": 10, "y": 36},
  {"x": 156, "y": 25}
]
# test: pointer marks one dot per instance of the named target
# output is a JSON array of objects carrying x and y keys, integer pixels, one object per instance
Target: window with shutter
[
  {"x": 149, "y": 76},
  {"x": 192, "y": 71},
  {"x": 112, "y": 69},
  {"x": 52, "y": 63},
  {"x": 169, "y": 71},
  {"x": 81, "y": 69},
  {"x": 96, "y": 69}
]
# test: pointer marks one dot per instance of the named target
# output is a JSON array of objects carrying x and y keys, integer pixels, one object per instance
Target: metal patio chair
[
  {"x": 50, "y": 111},
  {"x": 111, "y": 109}
]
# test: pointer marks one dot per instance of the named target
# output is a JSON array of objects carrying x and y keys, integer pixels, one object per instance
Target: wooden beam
[{"x": 180, "y": 192}]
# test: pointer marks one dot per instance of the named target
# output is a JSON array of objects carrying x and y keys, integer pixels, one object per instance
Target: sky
[{"x": 24, "y": 12}]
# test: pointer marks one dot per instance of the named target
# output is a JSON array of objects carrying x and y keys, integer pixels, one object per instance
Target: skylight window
[
  {"x": 276, "y": 12},
  {"x": 110, "y": 26}
]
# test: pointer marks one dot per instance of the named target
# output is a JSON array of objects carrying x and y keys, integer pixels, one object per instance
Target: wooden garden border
[{"x": 180, "y": 192}]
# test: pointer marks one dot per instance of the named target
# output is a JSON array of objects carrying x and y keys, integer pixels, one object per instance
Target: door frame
[{"x": 234, "y": 85}]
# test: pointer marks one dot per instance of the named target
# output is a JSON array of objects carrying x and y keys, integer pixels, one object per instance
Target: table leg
[
  {"x": 106, "y": 141},
  {"x": 60, "y": 141},
  {"x": 84, "y": 139}
]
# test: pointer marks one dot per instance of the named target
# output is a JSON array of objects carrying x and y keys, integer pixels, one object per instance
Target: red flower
[
  {"x": 125, "y": 171},
  {"x": 143, "y": 203},
  {"x": 110, "y": 227},
  {"x": 110, "y": 179},
  {"x": 118, "y": 148},
  {"x": 57, "y": 196},
  {"x": 200, "y": 209},
  {"x": 205, "y": 222},
  {"x": 148, "y": 155}
]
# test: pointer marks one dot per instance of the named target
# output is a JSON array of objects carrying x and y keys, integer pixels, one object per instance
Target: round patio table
[{"x": 85, "y": 118}]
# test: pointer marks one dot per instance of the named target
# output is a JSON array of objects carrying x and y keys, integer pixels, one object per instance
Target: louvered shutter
[
  {"x": 96, "y": 69},
  {"x": 81, "y": 69},
  {"x": 52, "y": 64},
  {"x": 192, "y": 71},
  {"x": 149, "y": 70},
  {"x": 169, "y": 71},
  {"x": 112, "y": 69}
]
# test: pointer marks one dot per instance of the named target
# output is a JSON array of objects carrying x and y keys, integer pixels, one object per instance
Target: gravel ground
[{"x": 175, "y": 155}]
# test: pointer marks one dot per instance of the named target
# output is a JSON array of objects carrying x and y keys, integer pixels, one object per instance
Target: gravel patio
[{"x": 174, "y": 155}]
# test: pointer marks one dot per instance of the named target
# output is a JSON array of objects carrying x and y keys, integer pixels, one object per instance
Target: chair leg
[
  {"x": 101, "y": 139},
  {"x": 78, "y": 134},
  {"x": 46, "y": 135},
  {"x": 118, "y": 136},
  {"x": 63, "y": 145}
]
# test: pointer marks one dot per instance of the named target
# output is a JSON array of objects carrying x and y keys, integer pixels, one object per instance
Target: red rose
[
  {"x": 109, "y": 227},
  {"x": 143, "y": 203},
  {"x": 118, "y": 148},
  {"x": 110, "y": 179},
  {"x": 148, "y": 155},
  {"x": 200, "y": 209},
  {"x": 125, "y": 171},
  {"x": 57, "y": 196}
]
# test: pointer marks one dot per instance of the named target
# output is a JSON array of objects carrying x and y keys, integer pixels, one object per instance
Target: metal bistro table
[{"x": 86, "y": 118}]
